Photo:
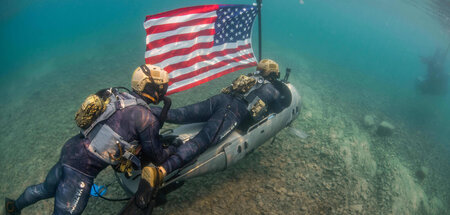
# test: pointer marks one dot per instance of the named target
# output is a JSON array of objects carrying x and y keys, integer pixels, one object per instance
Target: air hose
[{"x": 99, "y": 193}]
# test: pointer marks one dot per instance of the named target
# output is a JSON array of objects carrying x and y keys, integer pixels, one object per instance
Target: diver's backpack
[
  {"x": 106, "y": 144},
  {"x": 242, "y": 87},
  {"x": 92, "y": 107}
]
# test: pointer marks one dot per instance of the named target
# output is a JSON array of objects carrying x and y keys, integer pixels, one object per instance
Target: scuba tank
[{"x": 106, "y": 144}]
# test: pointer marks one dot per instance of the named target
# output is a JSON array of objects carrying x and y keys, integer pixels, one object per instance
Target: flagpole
[{"x": 259, "y": 2}]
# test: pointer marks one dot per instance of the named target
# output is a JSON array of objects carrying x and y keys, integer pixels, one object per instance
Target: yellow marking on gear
[
  {"x": 258, "y": 107},
  {"x": 92, "y": 107},
  {"x": 125, "y": 165},
  {"x": 148, "y": 96},
  {"x": 162, "y": 171},
  {"x": 149, "y": 174},
  {"x": 242, "y": 85}
]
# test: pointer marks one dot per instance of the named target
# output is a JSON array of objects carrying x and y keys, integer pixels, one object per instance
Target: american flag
[{"x": 198, "y": 44}]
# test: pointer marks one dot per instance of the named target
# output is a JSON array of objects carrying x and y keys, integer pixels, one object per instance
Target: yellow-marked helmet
[
  {"x": 150, "y": 81},
  {"x": 268, "y": 69}
]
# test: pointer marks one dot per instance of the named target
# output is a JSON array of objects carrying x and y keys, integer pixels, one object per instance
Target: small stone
[
  {"x": 357, "y": 208},
  {"x": 326, "y": 185},
  {"x": 385, "y": 129},
  {"x": 308, "y": 115},
  {"x": 369, "y": 121},
  {"x": 421, "y": 173},
  {"x": 291, "y": 194}
]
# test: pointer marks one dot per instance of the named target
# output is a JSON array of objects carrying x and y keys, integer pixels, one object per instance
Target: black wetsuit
[
  {"x": 70, "y": 180},
  {"x": 222, "y": 113}
]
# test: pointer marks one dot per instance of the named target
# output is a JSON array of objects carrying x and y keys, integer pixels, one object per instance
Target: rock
[
  {"x": 369, "y": 121},
  {"x": 280, "y": 190},
  {"x": 357, "y": 208},
  {"x": 422, "y": 173},
  {"x": 385, "y": 129}
]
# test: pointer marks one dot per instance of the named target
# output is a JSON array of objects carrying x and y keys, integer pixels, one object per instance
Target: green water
[{"x": 349, "y": 59}]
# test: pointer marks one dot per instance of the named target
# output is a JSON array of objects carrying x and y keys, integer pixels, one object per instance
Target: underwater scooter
[{"x": 241, "y": 142}]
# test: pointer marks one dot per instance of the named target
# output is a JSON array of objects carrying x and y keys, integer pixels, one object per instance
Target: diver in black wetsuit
[
  {"x": 436, "y": 80},
  {"x": 126, "y": 123},
  {"x": 248, "y": 96}
]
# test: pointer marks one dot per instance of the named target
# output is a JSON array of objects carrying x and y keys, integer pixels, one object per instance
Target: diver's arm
[
  {"x": 152, "y": 148},
  {"x": 273, "y": 97},
  {"x": 193, "y": 113},
  {"x": 170, "y": 116},
  {"x": 272, "y": 92}
]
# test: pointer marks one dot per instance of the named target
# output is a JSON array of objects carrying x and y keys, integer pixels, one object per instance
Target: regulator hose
[{"x": 163, "y": 115}]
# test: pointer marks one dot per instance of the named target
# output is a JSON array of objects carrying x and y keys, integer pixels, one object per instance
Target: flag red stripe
[
  {"x": 178, "y": 52},
  {"x": 178, "y": 38},
  {"x": 201, "y": 58},
  {"x": 207, "y": 68},
  {"x": 188, "y": 86},
  {"x": 184, "y": 11},
  {"x": 173, "y": 26}
]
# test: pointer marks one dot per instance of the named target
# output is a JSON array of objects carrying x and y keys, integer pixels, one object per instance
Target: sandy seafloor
[{"x": 342, "y": 167}]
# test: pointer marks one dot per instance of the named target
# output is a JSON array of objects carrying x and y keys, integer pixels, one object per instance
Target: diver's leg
[
  {"x": 41, "y": 191},
  {"x": 218, "y": 126},
  {"x": 73, "y": 192},
  {"x": 198, "y": 112}
]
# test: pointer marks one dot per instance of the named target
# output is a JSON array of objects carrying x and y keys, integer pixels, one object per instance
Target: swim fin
[
  {"x": 10, "y": 207},
  {"x": 144, "y": 200},
  {"x": 131, "y": 208}
]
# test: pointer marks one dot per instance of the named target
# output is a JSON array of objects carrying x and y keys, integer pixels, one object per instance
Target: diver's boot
[{"x": 10, "y": 207}]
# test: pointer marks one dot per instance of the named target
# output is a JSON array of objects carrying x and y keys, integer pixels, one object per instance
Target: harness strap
[
  {"x": 147, "y": 71},
  {"x": 260, "y": 81},
  {"x": 135, "y": 160},
  {"x": 116, "y": 103},
  {"x": 110, "y": 110}
]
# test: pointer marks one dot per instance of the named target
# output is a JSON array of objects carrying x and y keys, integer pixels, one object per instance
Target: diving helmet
[
  {"x": 151, "y": 82},
  {"x": 268, "y": 69}
]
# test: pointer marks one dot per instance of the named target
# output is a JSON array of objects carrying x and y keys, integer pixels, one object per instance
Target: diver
[
  {"x": 115, "y": 127},
  {"x": 248, "y": 98},
  {"x": 436, "y": 80}
]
